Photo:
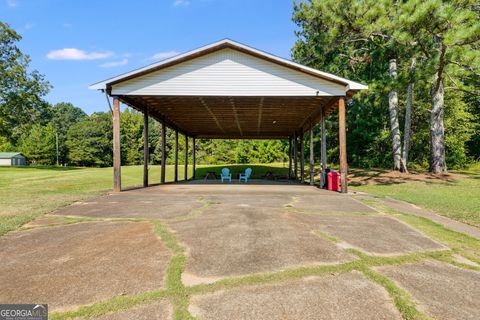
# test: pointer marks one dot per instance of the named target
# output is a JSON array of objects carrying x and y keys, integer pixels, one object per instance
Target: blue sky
[{"x": 78, "y": 42}]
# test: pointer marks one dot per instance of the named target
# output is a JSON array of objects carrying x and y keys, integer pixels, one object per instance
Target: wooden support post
[
  {"x": 164, "y": 151},
  {"x": 289, "y": 157},
  {"x": 194, "y": 158},
  {"x": 117, "y": 162},
  {"x": 185, "y": 177},
  {"x": 295, "y": 156},
  {"x": 323, "y": 149},
  {"x": 176, "y": 157},
  {"x": 342, "y": 138},
  {"x": 146, "y": 154},
  {"x": 312, "y": 159},
  {"x": 302, "y": 157}
]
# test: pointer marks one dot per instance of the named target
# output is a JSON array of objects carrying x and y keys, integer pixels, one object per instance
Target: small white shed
[{"x": 12, "y": 159}]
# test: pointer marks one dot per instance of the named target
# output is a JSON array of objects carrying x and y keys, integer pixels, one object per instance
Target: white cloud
[
  {"x": 12, "y": 3},
  {"x": 163, "y": 55},
  {"x": 77, "y": 54},
  {"x": 112, "y": 64},
  {"x": 183, "y": 3}
]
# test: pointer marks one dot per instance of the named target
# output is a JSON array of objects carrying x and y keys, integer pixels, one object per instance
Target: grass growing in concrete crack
[
  {"x": 265, "y": 278},
  {"x": 175, "y": 289},
  {"x": 112, "y": 305},
  {"x": 179, "y": 295},
  {"x": 194, "y": 213},
  {"x": 373, "y": 261},
  {"x": 460, "y": 243},
  {"x": 401, "y": 298},
  {"x": 327, "y": 236}
]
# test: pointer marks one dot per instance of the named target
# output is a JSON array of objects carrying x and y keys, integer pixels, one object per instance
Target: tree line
[{"x": 419, "y": 58}]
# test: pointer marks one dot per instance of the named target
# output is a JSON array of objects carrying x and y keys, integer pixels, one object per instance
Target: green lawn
[{"x": 458, "y": 199}]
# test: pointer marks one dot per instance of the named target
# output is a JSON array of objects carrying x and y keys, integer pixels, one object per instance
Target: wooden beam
[
  {"x": 295, "y": 156},
  {"x": 323, "y": 148},
  {"x": 117, "y": 175},
  {"x": 260, "y": 107},
  {"x": 176, "y": 157},
  {"x": 302, "y": 157},
  {"x": 185, "y": 177},
  {"x": 312, "y": 159},
  {"x": 235, "y": 114},
  {"x": 202, "y": 101},
  {"x": 146, "y": 154},
  {"x": 342, "y": 138},
  {"x": 289, "y": 157},
  {"x": 194, "y": 151},
  {"x": 164, "y": 149}
]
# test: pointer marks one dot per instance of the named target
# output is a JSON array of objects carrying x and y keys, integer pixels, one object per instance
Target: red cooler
[{"x": 333, "y": 181}]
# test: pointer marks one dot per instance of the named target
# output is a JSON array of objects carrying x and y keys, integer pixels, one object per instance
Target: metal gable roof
[{"x": 227, "y": 43}]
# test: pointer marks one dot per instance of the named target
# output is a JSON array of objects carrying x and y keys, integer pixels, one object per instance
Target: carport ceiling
[{"x": 233, "y": 117}]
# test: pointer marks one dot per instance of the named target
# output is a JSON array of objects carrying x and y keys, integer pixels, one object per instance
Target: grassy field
[{"x": 456, "y": 195}]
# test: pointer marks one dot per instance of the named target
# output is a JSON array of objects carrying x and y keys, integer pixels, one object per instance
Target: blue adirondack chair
[
  {"x": 245, "y": 176},
  {"x": 226, "y": 175}
]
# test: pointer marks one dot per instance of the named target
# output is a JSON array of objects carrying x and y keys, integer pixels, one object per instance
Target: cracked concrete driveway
[
  {"x": 67, "y": 266},
  {"x": 255, "y": 251}
]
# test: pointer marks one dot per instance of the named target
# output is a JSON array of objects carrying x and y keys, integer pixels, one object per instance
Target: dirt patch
[
  {"x": 161, "y": 310},
  {"x": 135, "y": 205},
  {"x": 232, "y": 241},
  {"x": 373, "y": 234},
  {"x": 345, "y": 296},
  {"x": 67, "y": 266},
  {"x": 442, "y": 290}
]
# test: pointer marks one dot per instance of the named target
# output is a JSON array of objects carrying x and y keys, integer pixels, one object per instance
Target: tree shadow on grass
[{"x": 359, "y": 177}]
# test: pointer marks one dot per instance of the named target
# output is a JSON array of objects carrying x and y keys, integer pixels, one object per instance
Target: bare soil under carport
[{"x": 231, "y": 251}]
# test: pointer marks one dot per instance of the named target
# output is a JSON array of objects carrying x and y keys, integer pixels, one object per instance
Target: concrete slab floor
[
  {"x": 83, "y": 263},
  {"x": 443, "y": 291},
  {"x": 135, "y": 205},
  {"x": 233, "y": 241},
  {"x": 328, "y": 202},
  {"x": 346, "y": 296},
  {"x": 44, "y": 221},
  {"x": 373, "y": 234},
  {"x": 160, "y": 310}
]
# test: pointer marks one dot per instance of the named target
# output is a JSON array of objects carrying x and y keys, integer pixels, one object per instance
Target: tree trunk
[
  {"x": 394, "y": 126},
  {"x": 408, "y": 116},
  {"x": 437, "y": 131}
]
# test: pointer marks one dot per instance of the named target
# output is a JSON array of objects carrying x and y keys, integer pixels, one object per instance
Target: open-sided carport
[{"x": 230, "y": 90}]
